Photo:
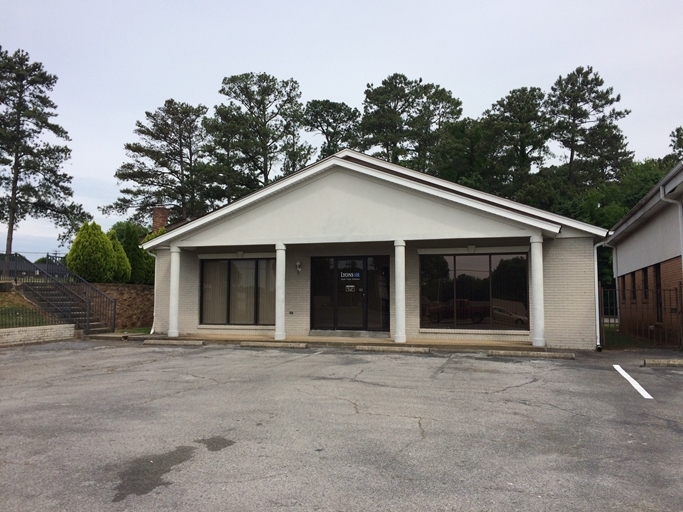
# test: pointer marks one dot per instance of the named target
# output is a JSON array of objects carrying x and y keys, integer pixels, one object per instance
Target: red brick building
[{"x": 647, "y": 246}]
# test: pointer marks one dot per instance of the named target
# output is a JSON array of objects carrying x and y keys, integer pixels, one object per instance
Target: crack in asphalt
[
  {"x": 534, "y": 379},
  {"x": 170, "y": 395},
  {"x": 293, "y": 359}
]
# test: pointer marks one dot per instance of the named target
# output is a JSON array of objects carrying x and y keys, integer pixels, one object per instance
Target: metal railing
[
  {"x": 644, "y": 317},
  {"x": 19, "y": 316},
  {"x": 95, "y": 305},
  {"x": 99, "y": 305}
]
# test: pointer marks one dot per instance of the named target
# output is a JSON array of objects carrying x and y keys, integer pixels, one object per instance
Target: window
[
  {"x": 238, "y": 292},
  {"x": 474, "y": 291},
  {"x": 646, "y": 284}
]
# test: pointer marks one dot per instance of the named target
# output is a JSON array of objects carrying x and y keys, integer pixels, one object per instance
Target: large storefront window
[
  {"x": 474, "y": 291},
  {"x": 239, "y": 292}
]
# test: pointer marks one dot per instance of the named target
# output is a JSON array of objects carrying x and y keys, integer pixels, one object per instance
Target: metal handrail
[
  {"x": 33, "y": 273},
  {"x": 104, "y": 307},
  {"x": 96, "y": 304}
]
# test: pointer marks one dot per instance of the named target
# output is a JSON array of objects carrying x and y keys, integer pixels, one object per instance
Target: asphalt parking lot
[{"x": 113, "y": 426}]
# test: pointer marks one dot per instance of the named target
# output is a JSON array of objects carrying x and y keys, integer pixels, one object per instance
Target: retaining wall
[{"x": 40, "y": 334}]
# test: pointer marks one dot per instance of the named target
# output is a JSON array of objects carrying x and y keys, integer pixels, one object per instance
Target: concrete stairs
[{"x": 60, "y": 301}]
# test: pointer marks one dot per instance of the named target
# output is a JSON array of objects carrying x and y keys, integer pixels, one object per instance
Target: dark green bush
[
  {"x": 123, "y": 268},
  {"x": 91, "y": 255}
]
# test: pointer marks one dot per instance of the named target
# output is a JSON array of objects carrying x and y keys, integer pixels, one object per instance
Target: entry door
[
  {"x": 350, "y": 274},
  {"x": 350, "y": 293}
]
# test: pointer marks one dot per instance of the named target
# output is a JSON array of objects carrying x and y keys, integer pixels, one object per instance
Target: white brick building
[{"x": 355, "y": 245}]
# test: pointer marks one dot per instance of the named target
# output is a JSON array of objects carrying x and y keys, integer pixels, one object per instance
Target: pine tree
[
  {"x": 584, "y": 122},
  {"x": 163, "y": 166},
  {"x": 30, "y": 176}
]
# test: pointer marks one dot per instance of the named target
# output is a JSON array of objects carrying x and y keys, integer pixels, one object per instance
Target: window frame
[
  {"x": 490, "y": 255},
  {"x": 255, "y": 283}
]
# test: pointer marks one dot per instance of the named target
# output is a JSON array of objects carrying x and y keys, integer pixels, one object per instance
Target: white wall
[
  {"x": 343, "y": 206},
  {"x": 657, "y": 240}
]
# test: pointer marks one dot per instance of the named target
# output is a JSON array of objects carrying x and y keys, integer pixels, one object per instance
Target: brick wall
[
  {"x": 188, "y": 304},
  {"x": 569, "y": 293},
  {"x": 40, "y": 334},
  {"x": 671, "y": 273},
  {"x": 646, "y": 311}
]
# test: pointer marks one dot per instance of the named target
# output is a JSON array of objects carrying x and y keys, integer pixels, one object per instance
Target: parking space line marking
[{"x": 633, "y": 382}]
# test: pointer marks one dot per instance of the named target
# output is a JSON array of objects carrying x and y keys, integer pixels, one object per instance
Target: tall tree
[
  {"x": 296, "y": 153},
  {"x": 336, "y": 122},
  {"x": 465, "y": 156},
  {"x": 677, "y": 142},
  {"x": 31, "y": 179},
  {"x": 585, "y": 125},
  {"x": 521, "y": 130},
  {"x": 387, "y": 109},
  {"x": 407, "y": 120},
  {"x": 164, "y": 164},
  {"x": 435, "y": 110},
  {"x": 225, "y": 162},
  {"x": 267, "y": 113}
]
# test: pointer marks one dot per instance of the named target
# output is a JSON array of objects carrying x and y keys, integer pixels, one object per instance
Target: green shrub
[
  {"x": 141, "y": 263},
  {"x": 123, "y": 268},
  {"x": 91, "y": 255}
]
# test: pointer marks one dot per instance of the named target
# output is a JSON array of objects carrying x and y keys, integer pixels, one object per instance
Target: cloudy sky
[{"x": 115, "y": 60}]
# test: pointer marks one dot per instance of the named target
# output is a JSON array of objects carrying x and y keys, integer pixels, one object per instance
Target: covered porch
[{"x": 368, "y": 292}]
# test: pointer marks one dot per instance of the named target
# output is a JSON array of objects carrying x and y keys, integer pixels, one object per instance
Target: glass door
[{"x": 351, "y": 294}]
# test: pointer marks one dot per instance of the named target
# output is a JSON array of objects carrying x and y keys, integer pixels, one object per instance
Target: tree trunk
[{"x": 12, "y": 214}]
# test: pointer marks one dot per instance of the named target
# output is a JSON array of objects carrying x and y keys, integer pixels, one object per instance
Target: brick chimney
[{"x": 159, "y": 217}]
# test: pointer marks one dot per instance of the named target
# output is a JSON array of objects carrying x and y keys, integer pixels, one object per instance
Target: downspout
[
  {"x": 598, "y": 327},
  {"x": 663, "y": 197}
]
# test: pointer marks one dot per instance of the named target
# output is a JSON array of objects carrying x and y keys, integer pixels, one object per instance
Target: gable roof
[
  {"x": 653, "y": 202},
  {"x": 395, "y": 174}
]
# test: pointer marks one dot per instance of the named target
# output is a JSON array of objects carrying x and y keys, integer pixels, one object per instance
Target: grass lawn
[{"x": 15, "y": 311}]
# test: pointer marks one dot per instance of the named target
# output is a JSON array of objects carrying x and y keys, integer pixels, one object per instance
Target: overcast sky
[{"x": 115, "y": 60}]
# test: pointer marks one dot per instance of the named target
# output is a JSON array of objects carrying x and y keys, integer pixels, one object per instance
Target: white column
[
  {"x": 174, "y": 293},
  {"x": 280, "y": 263},
  {"x": 537, "y": 309},
  {"x": 400, "y": 287}
]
